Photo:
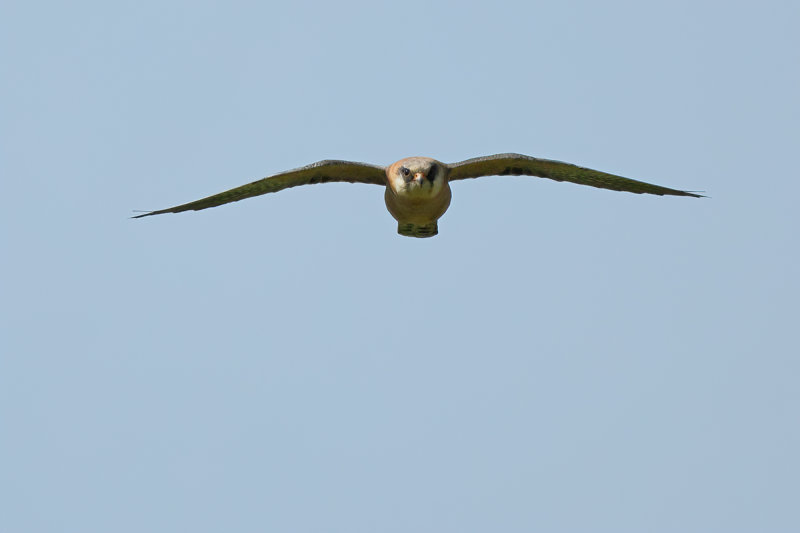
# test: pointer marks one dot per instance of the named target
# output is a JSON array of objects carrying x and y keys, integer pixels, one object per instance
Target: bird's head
[{"x": 416, "y": 177}]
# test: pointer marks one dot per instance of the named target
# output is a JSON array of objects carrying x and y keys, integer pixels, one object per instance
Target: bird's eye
[
  {"x": 405, "y": 171},
  {"x": 432, "y": 172}
]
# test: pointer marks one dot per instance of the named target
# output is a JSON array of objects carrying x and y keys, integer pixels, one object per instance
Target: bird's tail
[{"x": 409, "y": 229}]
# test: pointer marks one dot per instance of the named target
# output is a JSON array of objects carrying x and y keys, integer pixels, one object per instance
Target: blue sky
[{"x": 558, "y": 358}]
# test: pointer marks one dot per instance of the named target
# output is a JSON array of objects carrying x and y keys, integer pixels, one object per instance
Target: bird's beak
[{"x": 419, "y": 177}]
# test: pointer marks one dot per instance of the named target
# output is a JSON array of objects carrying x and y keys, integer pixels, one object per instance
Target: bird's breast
[{"x": 407, "y": 206}]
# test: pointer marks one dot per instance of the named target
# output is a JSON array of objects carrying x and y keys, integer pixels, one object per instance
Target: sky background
[{"x": 558, "y": 358}]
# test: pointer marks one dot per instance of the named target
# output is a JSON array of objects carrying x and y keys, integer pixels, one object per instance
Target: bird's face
[{"x": 416, "y": 177}]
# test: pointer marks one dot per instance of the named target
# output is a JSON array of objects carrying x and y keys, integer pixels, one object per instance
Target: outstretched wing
[
  {"x": 320, "y": 172},
  {"x": 517, "y": 164}
]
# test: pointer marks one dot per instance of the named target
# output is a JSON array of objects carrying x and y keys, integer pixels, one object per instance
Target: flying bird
[{"x": 417, "y": 189}]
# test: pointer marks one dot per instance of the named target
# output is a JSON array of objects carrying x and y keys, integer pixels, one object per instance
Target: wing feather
[
  {"x": 320, "y": 172},
  {"x": 517, "y": 164}
]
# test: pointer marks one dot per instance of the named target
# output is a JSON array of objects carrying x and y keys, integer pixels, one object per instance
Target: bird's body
[
  {"x": 418, "y": 188},
  {"x": 417, "y": 195}
]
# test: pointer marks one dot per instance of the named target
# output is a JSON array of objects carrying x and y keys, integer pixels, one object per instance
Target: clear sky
[{"x": 558, "y": 358}]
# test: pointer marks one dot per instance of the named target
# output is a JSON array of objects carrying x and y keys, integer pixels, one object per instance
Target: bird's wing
[
  {"x": 320, "y": 172},
  {"x": 517, "y": 164}
]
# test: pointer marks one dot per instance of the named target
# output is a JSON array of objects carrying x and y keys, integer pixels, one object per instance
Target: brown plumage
[{"x": 418, "y": 188}]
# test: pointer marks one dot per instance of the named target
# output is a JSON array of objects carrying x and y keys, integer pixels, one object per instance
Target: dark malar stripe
[{"x": 432, "y": 172}]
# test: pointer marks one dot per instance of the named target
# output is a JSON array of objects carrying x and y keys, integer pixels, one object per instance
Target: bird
[{"x": 417, "y": 189}]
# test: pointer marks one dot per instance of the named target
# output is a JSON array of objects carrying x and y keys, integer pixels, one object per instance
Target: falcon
[{"x": 417, "y": 189}]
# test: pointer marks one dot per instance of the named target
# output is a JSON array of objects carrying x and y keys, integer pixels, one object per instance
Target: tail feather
[{"x": 410, "y": 229}]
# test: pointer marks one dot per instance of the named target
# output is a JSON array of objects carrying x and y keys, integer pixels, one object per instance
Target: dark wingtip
[
  {"x": 695, "y": 194},
  {"x": 143, "y": 214}
]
